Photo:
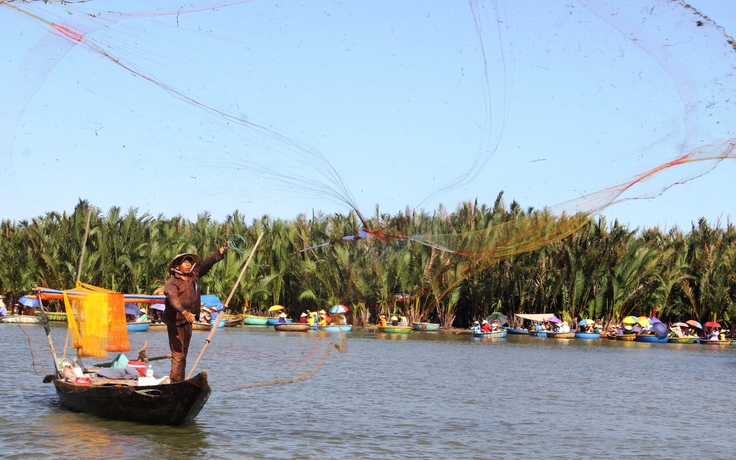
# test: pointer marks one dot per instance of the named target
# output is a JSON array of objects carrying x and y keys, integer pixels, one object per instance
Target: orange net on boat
[{"x": 97, "y": 320}]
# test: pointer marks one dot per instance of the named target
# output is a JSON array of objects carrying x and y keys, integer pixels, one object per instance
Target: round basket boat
[{"x": 293, "y": 327}]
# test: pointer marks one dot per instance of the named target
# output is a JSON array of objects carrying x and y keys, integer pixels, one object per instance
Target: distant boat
[
  {"x": 426, "y": 327},
  {"x": 651, "y": 338},
  {"x": 295, "y": 327},
  {"x": 722, "y": 343},
  {"x": 21, "y": 319},
  {"x": 683, "y": 340},
  {"x": 54, "y": 316},
  {"x": 561, "y": 335},
  {"x": 587, "y": 335},
  {"x": 490, "y": 335},
  {"x": 513, "y": 330},
  {"x": 275, "y": 321},
  {"x": 139, "y": 326},
  {"x": 336, "y": 328},
  {"x": 393, "y": 329},
  {"x": 253, "y": 320},
  {"x": 626, "y": 337}
]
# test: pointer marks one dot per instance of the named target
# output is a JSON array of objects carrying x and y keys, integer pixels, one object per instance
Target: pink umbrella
[{"x": 554, "y": 320}]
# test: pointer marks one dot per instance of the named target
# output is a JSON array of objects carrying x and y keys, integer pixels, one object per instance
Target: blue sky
[{"x": 412, "y": 103}]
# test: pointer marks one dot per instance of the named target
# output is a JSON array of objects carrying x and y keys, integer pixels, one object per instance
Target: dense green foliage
[{"x": 599, "y": 271}]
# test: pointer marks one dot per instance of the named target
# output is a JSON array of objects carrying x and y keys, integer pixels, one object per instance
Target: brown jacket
[{"x": 183, "y": 292}]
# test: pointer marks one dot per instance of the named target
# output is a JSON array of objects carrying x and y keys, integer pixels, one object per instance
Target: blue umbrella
[
  {"x": 158, "y": 306},
  {"x": 132, "y": 309},
  {"x": 660, "y": 330},
  {"x": 28, "y": 301}
]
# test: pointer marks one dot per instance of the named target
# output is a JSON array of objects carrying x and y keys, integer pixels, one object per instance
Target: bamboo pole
[
  {"x": 79, "y": 270},
  {"x": 221, "y": 316}
]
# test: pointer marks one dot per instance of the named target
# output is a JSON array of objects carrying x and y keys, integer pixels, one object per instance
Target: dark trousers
[{"x": 179, "y": 337}]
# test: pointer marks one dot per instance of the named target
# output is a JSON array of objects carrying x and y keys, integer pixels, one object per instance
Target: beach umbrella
[
  {"x": 681, "y": 324},
  {"x": 339, "y": 309},
  {"x": 276, "y": 308},
  {"x": 712, "y": 324},
  {"x": 554, "y": 320},
  {"x": 497, "y": 316},
  {"x": 630, "y": 320},
  {"x": 28, "y": 301},
  {"x": 694, "y": 323},
  {"x": 660, "y": 329},
  {"x": 585, "y": 322},
  {"x": 158, "y": 306},
  {"x": 654, "y": 320},
  {"x": 132, "y": 309},
  {"x": 644, "y": 321}
]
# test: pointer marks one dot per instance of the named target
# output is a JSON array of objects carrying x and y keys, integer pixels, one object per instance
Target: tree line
[{"x": 592, "y": 270}]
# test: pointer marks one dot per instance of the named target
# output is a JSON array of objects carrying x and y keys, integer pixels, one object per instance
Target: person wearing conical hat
[{"x": 182, "y": 304}]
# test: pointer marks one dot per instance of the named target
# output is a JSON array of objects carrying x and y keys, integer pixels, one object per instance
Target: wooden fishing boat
[
  {"x": 54, "y": 316},
  {"x": 722, "y": 343},
  {"x": 513, "y": 330},
  {"x": 253, "y": 320},
  {"x": 683, "y": 340},
  {"x": 426, "y": 327},
  {"x": 393, "y": 329},
  {"x": 233, "y": 322},
  {"x": 490, "y": 335},
  {"x": 174, "y": 404},
  {"x": 651, "y": 338},
  {"x": 337, "y": 328},
  {"x": 295, "y": 327},
  {"x": 588, "y": 335},
  {"x": 626, "y": 337},
  {"x": 139, "y": 326},
  {"x": 21, "y": 319},
  {"x": 561, "y": 335}
]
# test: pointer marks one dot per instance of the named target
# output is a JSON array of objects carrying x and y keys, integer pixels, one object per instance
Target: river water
[{"x": 422, "y": 395}]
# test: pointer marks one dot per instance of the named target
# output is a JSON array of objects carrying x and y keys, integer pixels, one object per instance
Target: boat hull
[
  {"x": 490, "y": 335},
  {"x": 393, "y": 329},
  {"x": 55, "y": 316},
  {"x": 275, "y": 321},
  {"x": 296, "y": 327},
  {"x": 651, "y": 338},
  {"x": 336, "y": 328},
  {"x": 251, "y": 320},
  {"x": 538, "y": 333},
  {"x": 140, "y": 326},
  {"x": 722, "y": 343},
  {"x": 426, "y": 327},
  {"x": 626, "y": 337},
  {"x": 157, "y": 327},
  {"x": 233, "y": 322},
  {"x": 174, "y": 404},
  {"x": 21, "y": 319},
  {"x": 512, "y": 330},
  {"x": 588, "y": 335},
  {"x": 561, "y": 335},
  {"x": 682, "y": 340}
]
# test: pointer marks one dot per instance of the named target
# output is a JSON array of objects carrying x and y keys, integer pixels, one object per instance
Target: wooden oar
[{"x": 221, "y": 316}]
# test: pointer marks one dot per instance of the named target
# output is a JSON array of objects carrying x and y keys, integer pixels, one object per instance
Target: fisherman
[{"x": 182, "y": 303}]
